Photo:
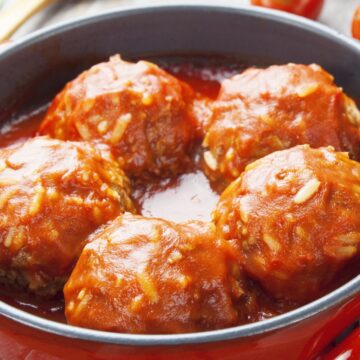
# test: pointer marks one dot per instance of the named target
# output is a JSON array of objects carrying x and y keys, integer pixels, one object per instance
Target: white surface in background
[{"x": 336, "y": 13}]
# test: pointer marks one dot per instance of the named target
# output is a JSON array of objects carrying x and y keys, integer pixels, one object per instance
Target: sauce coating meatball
[
  {"x": 142, "y": 275},
  {"x": 295, "y": 214},
  {"x": 141, "y": 111},
  {"x": 265, "y": 110},
  {"x": 53, "y": 194}
]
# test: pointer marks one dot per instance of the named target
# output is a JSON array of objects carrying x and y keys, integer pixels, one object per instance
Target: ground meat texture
[
  {"x": 141, "y": 111},
  {"x": 202, "y": 110},
  {"x": 295, "y": 214},
  {"x": 142, "y": 275},
  {"x": 53, "y": 194},
  {"x": 265, "y": 110}
]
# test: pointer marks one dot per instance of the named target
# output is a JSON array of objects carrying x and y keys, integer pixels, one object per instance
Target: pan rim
[{"x": 338, "y": 296}]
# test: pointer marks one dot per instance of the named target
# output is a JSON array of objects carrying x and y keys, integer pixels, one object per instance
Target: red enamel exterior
[
  {"x": 348, "y": 349},
  {"x": 304, "y": 340}
]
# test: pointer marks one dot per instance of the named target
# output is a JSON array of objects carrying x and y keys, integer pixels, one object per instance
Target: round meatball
[
  {"x": 265, "y": 110},
  {"x": 138, "y": 109},
  {"x": 53, "y": 194},
  {"x": 142, "y": 275},
  {"x": 295, "y": 214}
]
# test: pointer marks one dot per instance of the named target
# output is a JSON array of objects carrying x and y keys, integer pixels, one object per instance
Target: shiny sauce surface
[{"x": 187, "y": 197}]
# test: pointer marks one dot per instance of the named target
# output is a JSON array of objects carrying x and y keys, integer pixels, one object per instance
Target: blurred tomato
[
  {"x": 356, "y": 24},
  {"x": 308, "y": 8}
]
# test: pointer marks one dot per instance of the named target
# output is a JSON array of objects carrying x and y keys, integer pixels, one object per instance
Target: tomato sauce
[{"x": 186, "y": 197}]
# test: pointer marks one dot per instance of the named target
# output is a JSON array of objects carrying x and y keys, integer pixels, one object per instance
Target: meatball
[
  {"x": 53, "y": 194},
  {"x": 138, "y": 109},
  {"x": 295, "y": 214},
  {"x": 142, "y": 275},
  {"x": 265, "y": 110}
]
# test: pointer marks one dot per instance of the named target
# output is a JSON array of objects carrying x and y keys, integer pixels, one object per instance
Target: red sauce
[
  {"x": 21, "y": 128},
  {"x": 204, "y": 79},
  {"x": 190, "y": 195}
]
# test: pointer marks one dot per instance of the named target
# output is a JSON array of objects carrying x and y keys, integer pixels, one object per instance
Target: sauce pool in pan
[
  {"x": 190, "y": 193},
  {"x": 188, "y": 196}
]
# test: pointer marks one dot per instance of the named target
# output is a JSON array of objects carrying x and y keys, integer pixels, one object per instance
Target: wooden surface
[
  {"x": 15, "y": 15},
  {"x": 336, "y": 13}
]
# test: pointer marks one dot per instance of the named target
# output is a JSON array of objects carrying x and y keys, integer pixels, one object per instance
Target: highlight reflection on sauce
[{"x": 190, "y": 197}]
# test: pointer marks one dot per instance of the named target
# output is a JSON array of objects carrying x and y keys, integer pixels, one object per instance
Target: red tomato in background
[
  {"x": 308, "y": 8},
  {"x": 356, "y": 24}
]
